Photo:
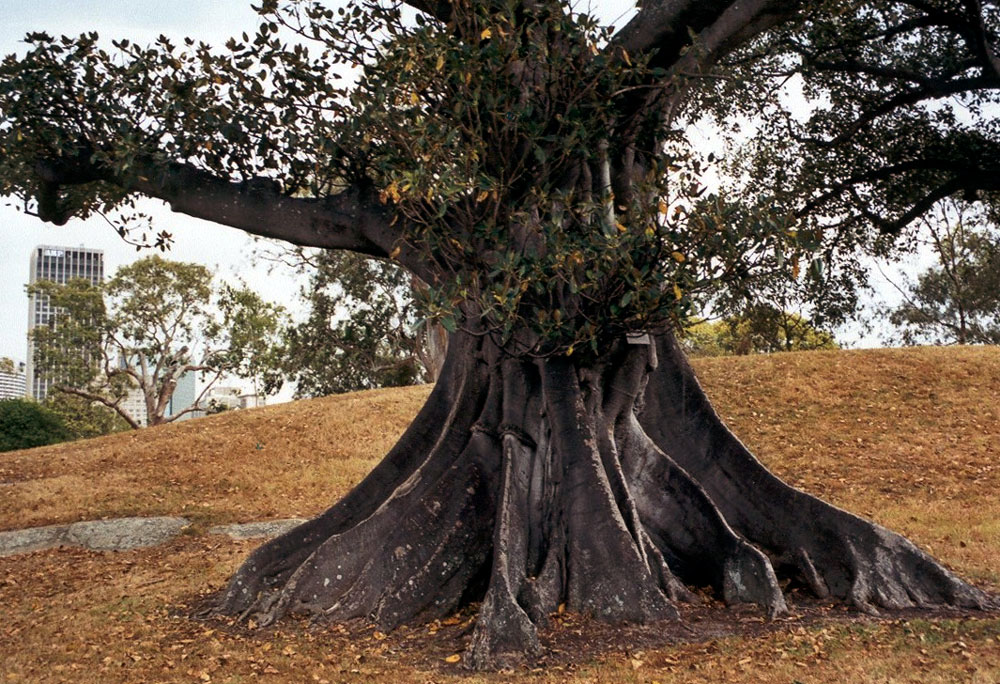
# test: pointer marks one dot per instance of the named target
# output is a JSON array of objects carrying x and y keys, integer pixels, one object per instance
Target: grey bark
[{"x": 529, "y": 483}]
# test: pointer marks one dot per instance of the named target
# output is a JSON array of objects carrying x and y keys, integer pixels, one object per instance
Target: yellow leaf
[
  {"x": 795, "y": 267},
  {"x": 481, "y": 196},
  {"x": 569, "y": 352},
  {"x": 561, "y": 609},
  {"x": 440, "y": 62},
  {"x": 625, "y": 55},
  {"x": 454, "y": 658},
  {"x": 485, "y": 34},
  {"x": 391, "y": 192},
  {"x": 677, "y": 291},
  {"x": 621, "y": 228},
  {"x": 208, "y": 145},
  {"x": 395, "y": 253},
  {"x": 414, "y": 98},
  {"x": 678, "y": 257}
]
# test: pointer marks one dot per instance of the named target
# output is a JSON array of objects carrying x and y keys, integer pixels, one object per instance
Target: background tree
[
  {"x": 364, "y": 328},
  {"x": 530, "y": 166},
  {"x": 957, "y": 301},
  {"x": 761, "y": 330},
  {"x": 150, "y": 324},
  {"x": 857, "y": 121},
  {"x": 255, "y": 345},
  {"x": 84, "y": 418},
  {"x": 25, "y": 424}
]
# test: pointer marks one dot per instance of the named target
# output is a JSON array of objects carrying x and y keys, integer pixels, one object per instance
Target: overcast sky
[{"x": 228, "y": 251}]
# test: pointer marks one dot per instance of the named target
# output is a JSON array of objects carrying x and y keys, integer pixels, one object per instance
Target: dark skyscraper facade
[{"x": 58, "y": 264}]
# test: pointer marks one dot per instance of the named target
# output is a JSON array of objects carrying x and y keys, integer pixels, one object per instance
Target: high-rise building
[
  {"x": 11, "y": 381},
  {"x": 58, "y": 264},
  {"x": 184, "y": 395},
  {"x": 135, "y": 405}
]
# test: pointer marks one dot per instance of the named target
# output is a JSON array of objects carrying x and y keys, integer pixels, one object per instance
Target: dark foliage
[{"x": 25, "y": 424}]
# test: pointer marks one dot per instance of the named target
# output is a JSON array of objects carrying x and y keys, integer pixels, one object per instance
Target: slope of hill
[
  {"x": 278, "y": 461},
  {"x": 910, "y": 438},
  {"x": 879, "y": 432}
]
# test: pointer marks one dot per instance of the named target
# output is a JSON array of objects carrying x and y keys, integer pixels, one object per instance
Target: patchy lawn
[{"x": 910, "y": 438}]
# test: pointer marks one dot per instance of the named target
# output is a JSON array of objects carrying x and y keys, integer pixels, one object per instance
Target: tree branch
[
  {"x": 961, "y": 178},
  {"x": 114, "y": 405},
  {"x": 352, "y": 220},
  {"x": 196, "y": 406},
  {"x": 934, "y": 90},
  {"x": 666, "y": 26},
  {"x": 979, "y": 38}
]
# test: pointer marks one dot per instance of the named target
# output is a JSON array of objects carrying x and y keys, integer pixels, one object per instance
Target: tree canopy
[
  {"x": 411, "y": 140},
  {"x": 759, "y": 330},
  {"x": 365, "y": 328},
  {"x": 25, "y": 424},
  {"x": 957, "y": 300},
  {"x": 153, "y": 322}
]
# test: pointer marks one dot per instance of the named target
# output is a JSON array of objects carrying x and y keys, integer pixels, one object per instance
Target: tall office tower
[
  {"x": 11, "y": 380},
  {"x": 183, "y": 396},
  {"x": 59, "y": 264}
]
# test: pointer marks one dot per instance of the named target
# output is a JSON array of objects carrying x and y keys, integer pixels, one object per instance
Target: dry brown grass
[
  {"x": 910, "y": 438},
  {"x": 287, "y": 460}
]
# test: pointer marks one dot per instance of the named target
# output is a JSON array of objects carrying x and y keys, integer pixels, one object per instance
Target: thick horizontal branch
[
  {"x": 666, "y": 27},
  {"x": 967, "y": 177},
  {"x": 341, "y": 221},
  {"x": 935, "y": 90},
  {"x": 352, "y": 219},
  {"x": 891, "y": 74},
  {"x": 958, "y": 178},
  {"x": 114, "y": 405}
]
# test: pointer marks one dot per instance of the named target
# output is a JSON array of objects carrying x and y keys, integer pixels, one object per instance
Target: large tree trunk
[{"x": 526, "y": 484}]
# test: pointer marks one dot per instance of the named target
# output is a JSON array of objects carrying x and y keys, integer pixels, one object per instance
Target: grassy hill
[{"x": 909, "y": 438}]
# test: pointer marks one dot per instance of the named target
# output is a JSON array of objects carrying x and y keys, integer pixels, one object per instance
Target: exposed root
[
  {"x": 836, "y": 554},
  {"x": 530, "y": 484}
]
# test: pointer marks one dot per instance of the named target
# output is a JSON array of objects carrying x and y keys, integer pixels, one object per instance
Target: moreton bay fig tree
[{"x": 530, "y": 167}]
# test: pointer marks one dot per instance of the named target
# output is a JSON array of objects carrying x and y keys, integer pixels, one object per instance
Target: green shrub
[{"x": 25, "y": 424}]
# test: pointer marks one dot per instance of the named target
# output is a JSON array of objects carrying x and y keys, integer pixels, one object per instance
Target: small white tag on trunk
[{"x": 638, "y": 338}]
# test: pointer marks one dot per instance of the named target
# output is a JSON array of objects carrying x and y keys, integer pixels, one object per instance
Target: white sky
[{"x": 226, "y": 250}]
